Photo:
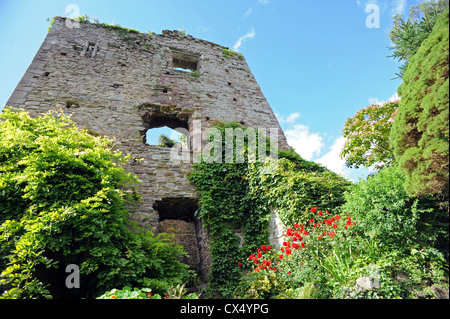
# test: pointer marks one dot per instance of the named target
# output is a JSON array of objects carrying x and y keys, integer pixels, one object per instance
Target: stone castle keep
[{"x": 119, "y": 83}]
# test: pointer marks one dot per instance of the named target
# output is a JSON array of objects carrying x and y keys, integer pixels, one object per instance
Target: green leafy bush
[
  {"x": 260, "y": 285},
  {"x": 385, "y": 211},
  {"x": 63, "y": 199},
  {"x": 178, "y": 292},
  {"x": 420, "y": 135},
  {"x": 398, "y": 234}
]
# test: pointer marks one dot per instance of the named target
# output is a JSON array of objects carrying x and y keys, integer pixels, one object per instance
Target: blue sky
[{"x": 317, "y": 62}]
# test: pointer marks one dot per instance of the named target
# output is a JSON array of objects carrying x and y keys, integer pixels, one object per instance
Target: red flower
[
  {"x": 296, "y": 225},
  {"x": 335, "y": 226},
  {"x": 313, "y": 210},
  {"x": 288, "y": 251},
  {"x": 332, "y": 234},
  {"x": 263, "y": 247},
  {"x": 268, "y": 247},
  {"x": 303, "y": 245},
  {"x": 284, "y": 244},
  {"x": 311, "y": 221},
  {"x": 239, "y": 264},
  {"x": 338, "y": 217},
  {"x": 259, "y": 255},
  {"x": 257, "y": 269},
  {"x": 281, "y": 256},
  {"x": 295, "y": 245},
  {"x": 251, "y": 257},
  {"x": 320, "y": 213}
]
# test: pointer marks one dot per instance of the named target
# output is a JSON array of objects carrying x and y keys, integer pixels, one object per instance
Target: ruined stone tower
[{"x": 120, "y": 83}]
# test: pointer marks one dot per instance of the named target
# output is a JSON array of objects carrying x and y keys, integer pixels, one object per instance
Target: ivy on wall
[{"x": 236, "y": 198}]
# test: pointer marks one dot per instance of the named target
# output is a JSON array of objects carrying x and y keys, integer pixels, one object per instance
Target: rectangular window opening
[{"x": 185, "y": 61}]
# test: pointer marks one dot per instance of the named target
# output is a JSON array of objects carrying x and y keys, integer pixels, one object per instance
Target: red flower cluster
[
  {"x": 328, "y": 222},
  {"x": 294, "y": 239},
  {"x": 259, "y": 260}
]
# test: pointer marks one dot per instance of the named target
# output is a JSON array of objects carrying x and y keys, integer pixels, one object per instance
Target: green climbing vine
[{"x": 237, "y": 198}]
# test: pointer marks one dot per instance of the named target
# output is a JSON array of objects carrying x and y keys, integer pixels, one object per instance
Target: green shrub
[
  {"x": 420, "y": 135},
  {"x": 63, "y": 199},
  {"x": 178, "y": 292},
  {"x": 260, "y": 285},
  {"x": 398, "y": 234},
  {"x": 385, "y": 211}
]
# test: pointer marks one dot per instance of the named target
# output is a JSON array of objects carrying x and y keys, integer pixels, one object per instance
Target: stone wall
[{"x": 120, "y": 84}]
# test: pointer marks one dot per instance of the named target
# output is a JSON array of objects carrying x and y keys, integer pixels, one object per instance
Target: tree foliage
[
  {"x": 408, "y": 34},
  {"x": 63, "y": 200},
  {"x": 367, "y": 134},
  {"x": 420, "y": 133}
]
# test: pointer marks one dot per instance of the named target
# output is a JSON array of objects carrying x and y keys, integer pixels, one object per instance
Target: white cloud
[
  {"x": 292, "y": 117},
  {"x": 332, "y": 160},
  {"x": 203, "y": 28},
  {"x": 375, "y": 100},
  {"x": 247, "y": 13},
  {"x": 394, "y": 6},
  {"x": 399, "y": 6},
  {"x": 363, "y": 4},
  {"x": 304, "y": 143},
  {"x": 334, "y": 163},
  {"x": 279, "y": 118},
  {"x": 248, "y": 35}
]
